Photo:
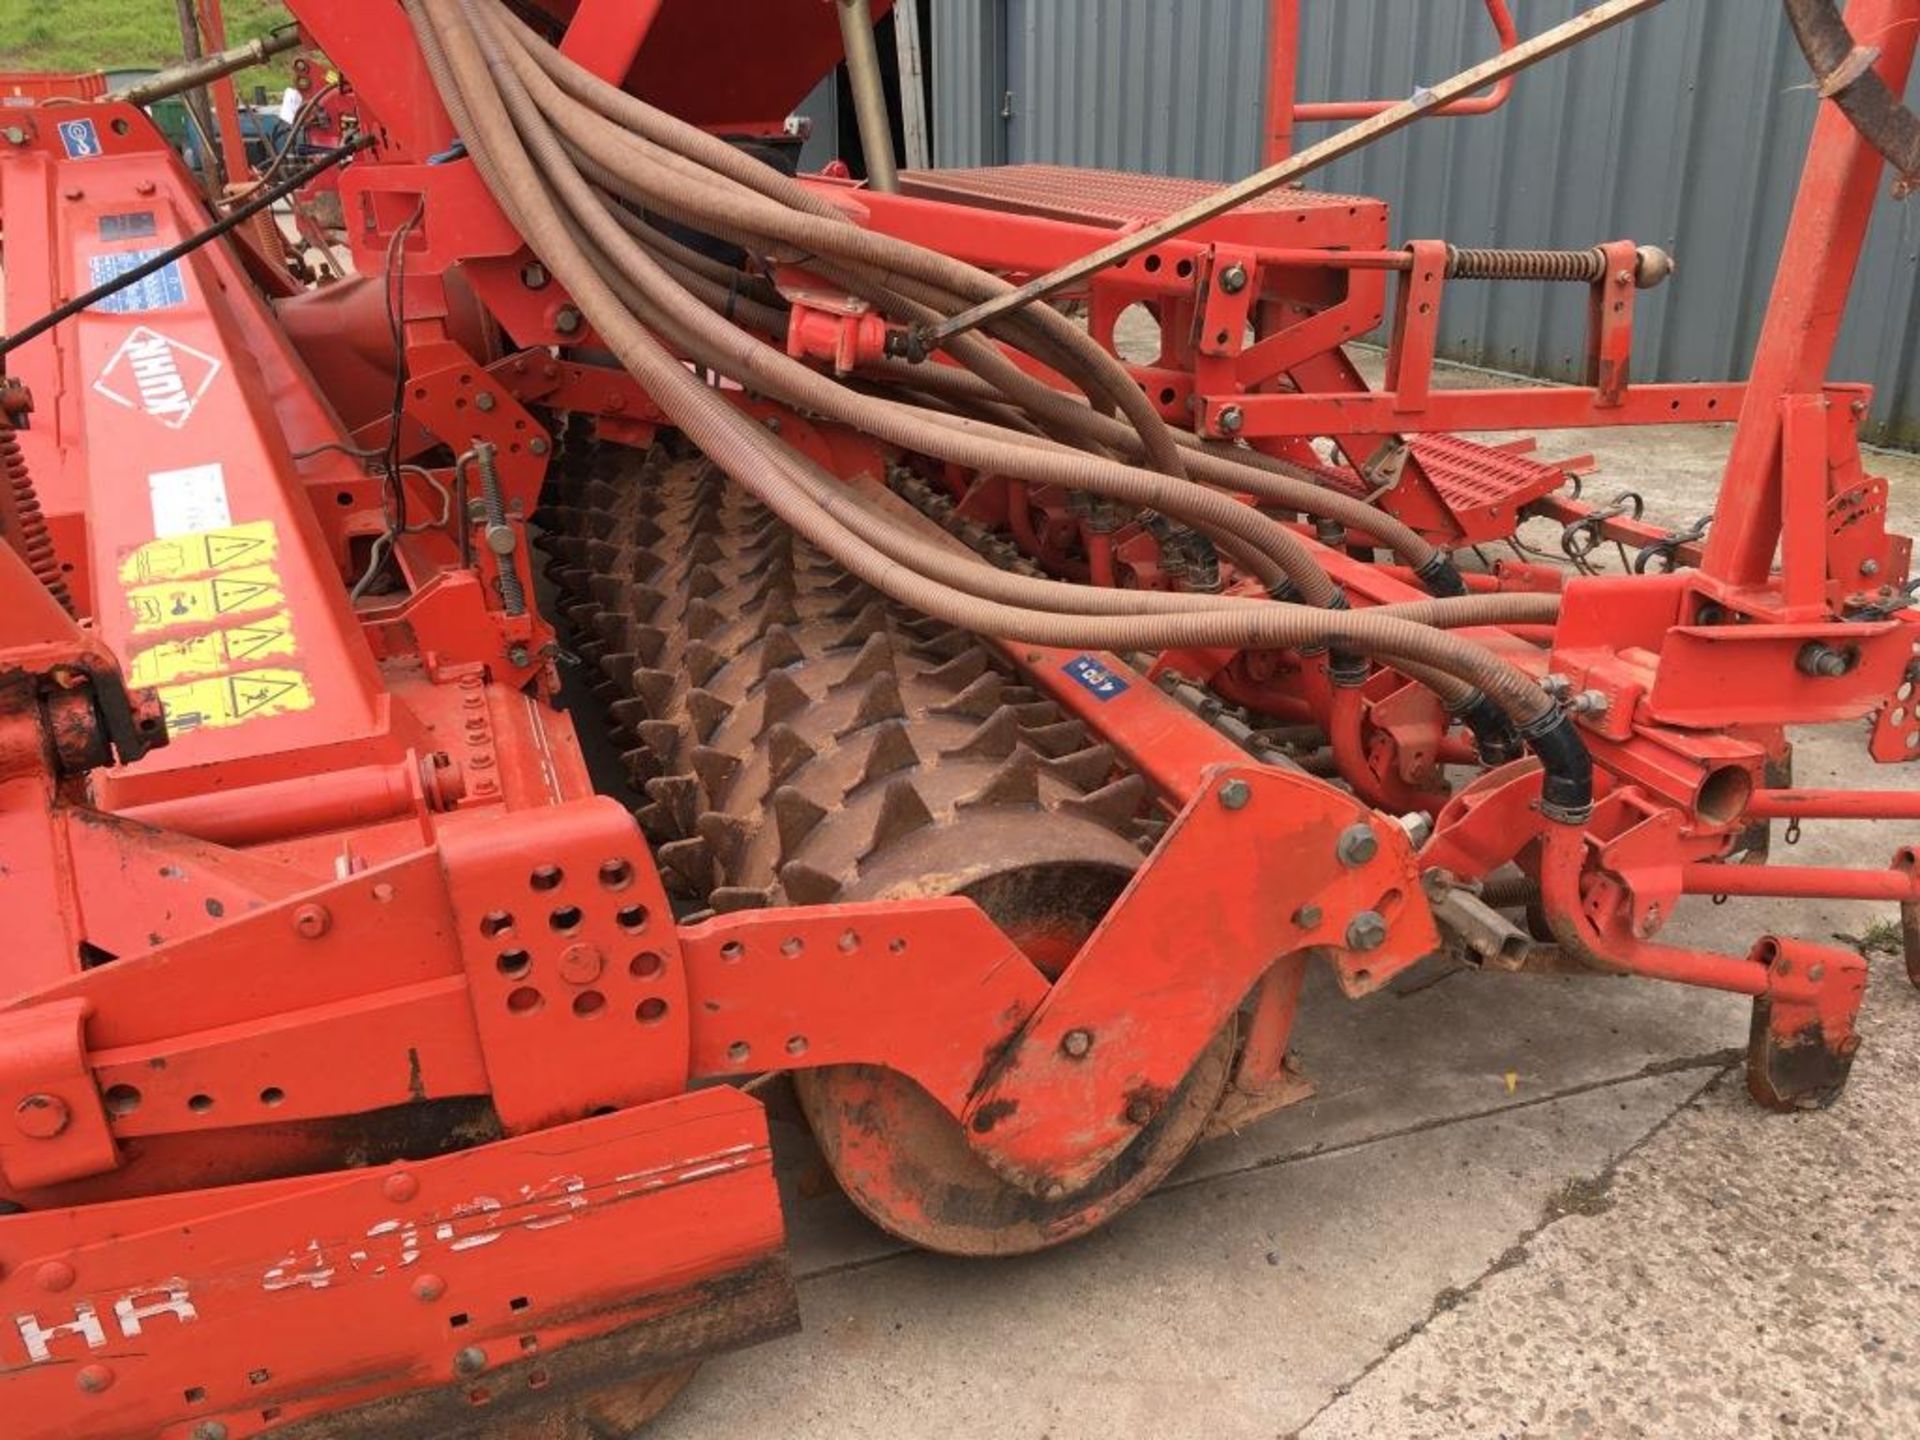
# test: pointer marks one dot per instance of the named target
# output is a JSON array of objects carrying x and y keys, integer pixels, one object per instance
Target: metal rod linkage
[
  {"x": 869, "y": 95},
  {"x": 1423, "y": 103}
]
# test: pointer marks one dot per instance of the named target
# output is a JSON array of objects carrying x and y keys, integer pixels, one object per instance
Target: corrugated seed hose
[{"x": 556, "y": 145}]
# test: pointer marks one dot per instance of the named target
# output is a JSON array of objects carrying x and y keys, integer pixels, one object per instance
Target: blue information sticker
[
  {"x": 162, "y": 290},
  {"x": 1096, "y": 678},
  {"x": 79, "y": 139}
]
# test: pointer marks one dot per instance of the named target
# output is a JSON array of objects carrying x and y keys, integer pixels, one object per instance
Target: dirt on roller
[{"x": 799, "y": 739}]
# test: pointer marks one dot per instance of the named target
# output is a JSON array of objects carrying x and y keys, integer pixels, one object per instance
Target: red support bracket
[
  {"x": 1610, "y": 325},
  {"x": 1804, "y": 492},
  {"x": 1262, "y": 864},
  {"x": 572, "y": 960},
  {"x": 55, "y": 1126},
  {"x": 1416, "y": 325}
]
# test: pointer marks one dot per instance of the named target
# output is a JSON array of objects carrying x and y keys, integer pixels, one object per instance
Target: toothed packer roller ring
[{"x": 799, "y": 740}]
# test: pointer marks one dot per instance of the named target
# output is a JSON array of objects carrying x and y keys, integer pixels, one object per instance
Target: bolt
[
  {"x": 538, "y": 445},
  {"x": 1076, "y": 1043},
  {"x": 1869, "y": 568},
  {"x": 14, "y": 135},
  {"x": 429, "y": 1288},
  {"x": 501, "y": 539},
  {"x": 41, "y": 1116},
  {"x": 1308, "y": 917},
  {"x": 145, "y": 187},
  {"x": 1235, "y": 794},
  {"x": 1139, "y": 1110},
  {"x": 1232, "y": 420},
  {"x": 1590, "y": 702},
  {"x": 54, "y": 1276},
  {"x": 534, "y": 276},
  {"x": 209, "y": 1430},
  {"x": 1366, "y": 931},
  {"x": 1817, "y": 973},
  {"x": 1233, "y": 279},
  {"x": 93, "y": 1379},
  {"x": 400, "y": 1187},
  {"x": 519, "y": 655},
  {"x": 484, "y": 402},
  {"x": 1356, "y": 846},
  {"x": 773, "y": 424},
  {"x": 568, "y": 321},
  {"x": 470, "y": 1361},
  {"x": 310, "y": 922},
  {"x": 1822, "y": 661},
  {"x": 581, "y": 964}
]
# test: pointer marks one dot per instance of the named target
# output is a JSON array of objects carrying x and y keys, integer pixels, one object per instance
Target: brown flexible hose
[
  {"x": 614, "y": 118},
  {"x": 755, "y": 459}
]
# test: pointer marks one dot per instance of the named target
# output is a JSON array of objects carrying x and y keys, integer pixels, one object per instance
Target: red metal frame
[
  {"x": 376, "y": 834},
  {"x": 1284, "y": 110}
]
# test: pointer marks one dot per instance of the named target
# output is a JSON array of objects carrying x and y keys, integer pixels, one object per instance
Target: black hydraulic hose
[
  {"x": 1566, "y": 792},
  {"x": 1494, "y": 735}
]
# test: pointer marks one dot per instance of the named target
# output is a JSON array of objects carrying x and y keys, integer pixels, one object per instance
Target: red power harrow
[{"x": 999, "y": 730}]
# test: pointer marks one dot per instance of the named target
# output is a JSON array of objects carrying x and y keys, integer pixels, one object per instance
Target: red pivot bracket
[{"x": 1802, "y": 1043}]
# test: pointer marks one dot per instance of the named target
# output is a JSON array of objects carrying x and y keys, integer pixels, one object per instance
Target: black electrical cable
[
  {"x": 187, "y": 246},
  {"x": 302, "y": 118},
  {"x": 395, "y": 285}
]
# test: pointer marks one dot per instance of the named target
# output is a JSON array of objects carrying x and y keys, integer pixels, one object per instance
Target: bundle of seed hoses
[{"x": 595, "y": 179}]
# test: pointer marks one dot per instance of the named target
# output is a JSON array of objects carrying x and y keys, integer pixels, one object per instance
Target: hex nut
[
  {"x": 1357, "y": 845},
  {"x": 1366, "y": 932}
]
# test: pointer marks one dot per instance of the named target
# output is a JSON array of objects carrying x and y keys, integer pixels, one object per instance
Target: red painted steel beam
[
  {"x": 1537, "y": 407},
  {"x": 1800, "y": 882},
  {"x": 1838, "y": 189},
  {"x": 1835, "y": 804},
  {"x": 1503, "y": 26}
]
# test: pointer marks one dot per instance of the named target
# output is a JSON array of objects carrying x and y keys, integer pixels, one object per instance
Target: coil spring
[
  {"x": 1586, "y": 265},
  {"x": 34, "y": 540}
]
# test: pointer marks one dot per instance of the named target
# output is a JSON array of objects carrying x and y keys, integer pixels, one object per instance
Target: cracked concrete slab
[
  {"x": 1596, "y": 1246},
  {"x": 1228, "y": 1305},
  {"x": 1743, "y": 1274}
]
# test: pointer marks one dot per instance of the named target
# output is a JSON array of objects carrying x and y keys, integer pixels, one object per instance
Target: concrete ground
[{"x": 1515, "y": 1207}]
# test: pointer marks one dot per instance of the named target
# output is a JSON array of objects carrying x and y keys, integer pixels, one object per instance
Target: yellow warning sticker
[
  {"x": 247, "y": 590},
  {"x": 215, "y": 653},
  {"x": 179, "y": 556},
  {"x": 234, "y": 699}
]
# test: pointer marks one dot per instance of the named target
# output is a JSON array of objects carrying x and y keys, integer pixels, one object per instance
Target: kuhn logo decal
[{"x": 156, "y": 375}]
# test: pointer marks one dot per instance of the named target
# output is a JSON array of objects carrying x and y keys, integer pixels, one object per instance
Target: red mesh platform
[
  {"x": 1483, "y": 486},
  {"x": 1115, "y": 199}
]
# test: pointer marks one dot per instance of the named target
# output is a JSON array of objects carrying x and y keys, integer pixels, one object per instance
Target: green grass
[{"x": 82, "y": 35}]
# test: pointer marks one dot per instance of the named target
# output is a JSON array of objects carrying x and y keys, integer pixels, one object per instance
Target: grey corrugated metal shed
[{"x": 1684, "y": 129}]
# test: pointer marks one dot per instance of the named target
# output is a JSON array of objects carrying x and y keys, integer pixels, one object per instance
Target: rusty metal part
[
  {"x": 908, "y": 1165},
  {"x": 1845, "y": 70},
  {"x": 1652, "y": 266},
  {"x": 22, "y": 522},
  {"x": 613, "y": 1412},
  {"x": 800, "y": 740}
]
